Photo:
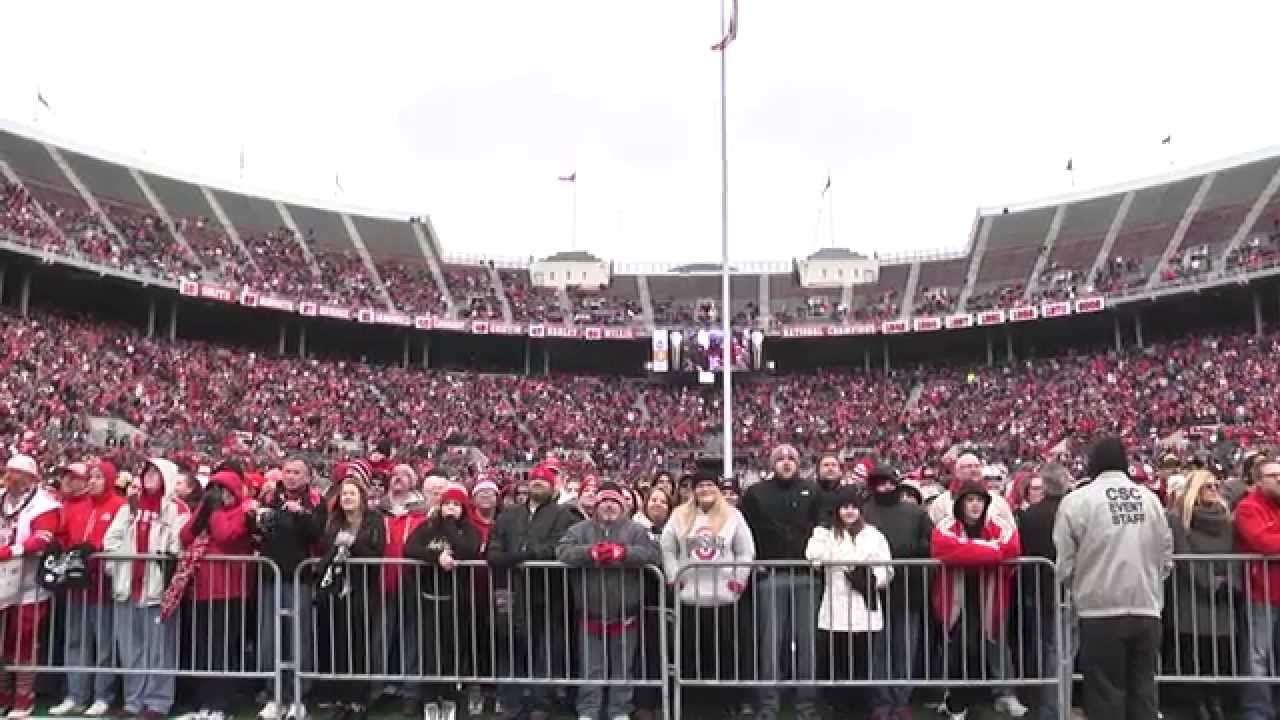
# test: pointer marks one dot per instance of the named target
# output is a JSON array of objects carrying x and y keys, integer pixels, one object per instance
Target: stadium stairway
[
  {"x": 227, "y": 226},
  {"x": 163, "y": 213},
  {"x": 89, "y": 200},
  {"x": 421, "y": 236},
  {"x": 495, "y": 281},
  {"x": 646, "y": 299},
  {"x": 289, "y": 222},
  {"x": 975, "y": 264},
  {"x": 1246, "y": 227},
  {"x": 7, "y": 171},
  {"x": 913, "y": 398},
  {"x": 1050, "y": 239},
  {"x": 566, "y": 305},
  {"x": 363, "y": 251},
  {"x": 1175, "y": 241},
  {"x": 1109, "y": 241},
  {"x": 913, "y": 282}
]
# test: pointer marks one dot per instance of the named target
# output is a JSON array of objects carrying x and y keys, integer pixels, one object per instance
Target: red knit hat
[{"x": 454, "y": 493}]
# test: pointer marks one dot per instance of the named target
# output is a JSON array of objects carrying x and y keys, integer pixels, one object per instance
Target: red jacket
[
  {"x": 228, "y": 535},
  {"x": 1258, "y": 531},
  {"x": 85, "y": 519},
  {"x": 958, "y": 553},
  {"x": 399, "y": 528}
]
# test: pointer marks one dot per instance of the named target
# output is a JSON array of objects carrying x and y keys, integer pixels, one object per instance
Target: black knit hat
[
  {"x": 965, "y": 490},
  {"x": 1107, "y": 455},
  {"x": 848, "y": 495},
  {"x": 879, "y": 474}
]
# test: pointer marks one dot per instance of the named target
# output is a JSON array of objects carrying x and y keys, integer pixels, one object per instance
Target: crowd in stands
[
  {"x": 412, "y": 287},
  {"x": 22, "y": 218},
  {"x": 936, "y": 301},
  {"x": 1003, "y": 297},
  {"x": 472, "y": 289},
  {"x": 528, "y": 302},
  {"x": 1120, "y": 276},
  {"x": 1057, "y": 283},
  {"x": 1256, "y": 253},
  {"x": 594, "y": 306}
]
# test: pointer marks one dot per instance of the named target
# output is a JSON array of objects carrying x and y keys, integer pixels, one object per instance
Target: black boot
[{"x": 1202, "y": 711}]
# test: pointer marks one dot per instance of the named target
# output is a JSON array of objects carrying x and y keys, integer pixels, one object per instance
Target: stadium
[{"x": 276, "y": 456}]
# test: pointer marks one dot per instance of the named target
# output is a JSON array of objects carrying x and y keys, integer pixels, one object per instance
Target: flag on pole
[
  {"x": 1167, "y": 139},
  {"x": 570, "y": 178},
  {"x": 1070, "y": 164},
  {"x": 337, "y": 182},
  {"x": 826, "y": 188},
  {"x": 242, "y": 161},
  {"x": 42, "y": 101},
  {"x": 732, "y": 33}
]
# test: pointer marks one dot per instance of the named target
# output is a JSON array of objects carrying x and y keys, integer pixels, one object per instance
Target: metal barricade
[
  {"x": 524, "y": 631},
  {"x": 216, "y": 631},
  {"x": 797, "y": 626}
]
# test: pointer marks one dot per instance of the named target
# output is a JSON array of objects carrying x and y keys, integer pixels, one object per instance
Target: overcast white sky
[{"x": 468, "y": 111}]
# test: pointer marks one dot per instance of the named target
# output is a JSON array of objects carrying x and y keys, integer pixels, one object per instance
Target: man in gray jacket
[
  {"x": 1115, "y": 550},
  {"x": 610, "y": 596}
]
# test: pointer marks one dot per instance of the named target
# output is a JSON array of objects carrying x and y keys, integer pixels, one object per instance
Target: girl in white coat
[{"x": 850, "y": 613}]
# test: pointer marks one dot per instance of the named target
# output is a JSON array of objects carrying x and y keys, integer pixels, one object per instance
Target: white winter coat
[
  {"x": 843, "y": 608},
  {"x": 163, "y": 538}
]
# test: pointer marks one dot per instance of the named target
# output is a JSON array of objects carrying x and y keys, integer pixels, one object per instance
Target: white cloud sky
[{"x": 468, "y": 111}]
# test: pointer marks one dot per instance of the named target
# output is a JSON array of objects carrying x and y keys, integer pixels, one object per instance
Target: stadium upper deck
[{"x": 1203, "y": 226}]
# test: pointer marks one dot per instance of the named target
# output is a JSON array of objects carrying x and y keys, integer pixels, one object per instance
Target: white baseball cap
[{"x": 23, "y": 463}]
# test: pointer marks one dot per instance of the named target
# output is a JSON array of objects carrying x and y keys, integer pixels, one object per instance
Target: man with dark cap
[
  {"x": 907, "y": 527},
  {"x": 614, "y": 550},
  {"x": 1115, "y": 550},
  {"x": 782, "y": 512},
  {"x": 522, "y": 534}
]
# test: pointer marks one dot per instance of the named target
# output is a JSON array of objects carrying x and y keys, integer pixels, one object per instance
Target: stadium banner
[
  {"x": 1022, "y": 314},
  {"x": 1055, "y": 309},
  {"x": 559, "y": 331},
  {"x": 424, "y": 322},
  {"x": 190, "y": 288},
  {"x": 271, "y": 302},
  {"x": 1091, "y": 304},
  {"x": 505, "y": 328},
  {"x": 959, "y": 321},
  {"x": 537, "y": 331},
  {"x": 217, "y": 292},
  {"x": 364, "y": 315},
  {"x": 479, "y": 327},
  {"x": 248, "y": 298},
  {"x": 893, "y": 327},
  {"x": 659, "y": 351},
  {"x": 805, "y": 331},
  {"x": 991, "y": 317},
  {"x": 592, "y": 333},
  {"x": 336, "y": 312},
  {"x": 927, "y": 324},
  {"x": 398, "y": 319},
  {"x": 307, "y": 309},
  {"x": 453, "y": 325},
  {"x": 855, "y": 329},
  {"x": 619, "y": 333}
]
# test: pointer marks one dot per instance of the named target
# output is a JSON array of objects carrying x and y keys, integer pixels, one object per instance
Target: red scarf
[{"x": 147, "y": 510}]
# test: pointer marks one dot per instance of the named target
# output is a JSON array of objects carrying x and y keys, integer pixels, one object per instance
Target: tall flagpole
[{"x": 725, "y": 311}]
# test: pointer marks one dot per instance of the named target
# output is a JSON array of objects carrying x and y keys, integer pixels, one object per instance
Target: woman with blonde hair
[
  {"x": 1201, "y": 589},
  {"x": 706, "y": 529}
]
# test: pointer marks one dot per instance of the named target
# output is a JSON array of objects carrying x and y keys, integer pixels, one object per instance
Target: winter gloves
[{"x": 603, "y": 553}]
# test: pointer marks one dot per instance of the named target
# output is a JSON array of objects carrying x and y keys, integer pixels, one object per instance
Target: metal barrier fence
[
  {"x": 522, "y": 632},
  {"x": 469, "y": 633},
  {"x": 116, "y": 629}
]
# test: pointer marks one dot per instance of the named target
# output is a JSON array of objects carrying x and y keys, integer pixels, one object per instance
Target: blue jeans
[
  {"x": 89, "y": 643},
  {"x": 145, "y": 643},
  {"x": 1260, "y": 629},
  {"x": 267, "y": 613},
  {"x": 786, "y": 621}
]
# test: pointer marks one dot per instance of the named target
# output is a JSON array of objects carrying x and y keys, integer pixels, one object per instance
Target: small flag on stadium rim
[
  {"x": 827, "y": 188},
  {"x": 1070, "y": 164},
  {"x": 571, "y": 177},
  {"x": 42, "y": 101},
  {"x": 732, "y": 33},
  {"x": 1167, "y": 139}
]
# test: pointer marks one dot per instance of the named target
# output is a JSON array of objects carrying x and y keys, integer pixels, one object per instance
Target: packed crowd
[
  {"x": 843, "y": 612},
  {"x": 595, "y": 306},
  {"x": 528, "y": 302},
  {"x": 1003, "y": 297},
  {"x": 189, "y": 394},
  {"x": 936, "y": 300}
]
